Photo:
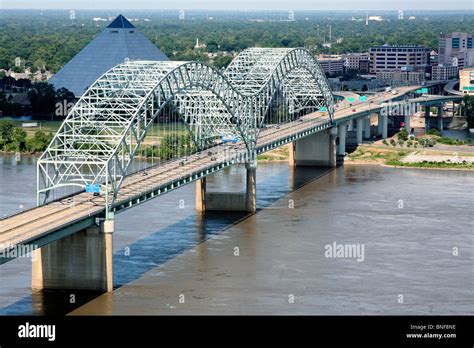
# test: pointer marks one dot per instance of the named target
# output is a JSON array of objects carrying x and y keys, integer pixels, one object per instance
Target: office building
[
  {"x": 357, "y": 62},
  {"x": 401, "y": 76},
  {"x": 444, "y": 72},
  {"x": 386, "y": 58},
  {"x": 331, "y": 64}
]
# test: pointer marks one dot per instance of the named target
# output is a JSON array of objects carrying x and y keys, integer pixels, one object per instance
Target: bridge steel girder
[{"x": 100, "y": 136}]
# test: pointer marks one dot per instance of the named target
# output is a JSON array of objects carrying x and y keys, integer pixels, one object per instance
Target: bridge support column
[
  {"x": 440, "y": 118},
  {"x": 350, "y": 125},
  {"x": 251, "y": 187},
  {"x": 427, "y": 118},
  {"x": 367, "y": 128},
  {"x": 81, "y": 261},
  {"x": 341, "y": 133},
  {"x": 407, "y": 122},
  {"x": 291, "y": 154},
  {"x": 384, "y": 126},
  {"x": 379, "y": 124},
  {"x": 201, "y": 195},
  {"x": 229, "y": 201},
  {"x": 360, "y": 123},
  {"x": 316, "y": 150}
]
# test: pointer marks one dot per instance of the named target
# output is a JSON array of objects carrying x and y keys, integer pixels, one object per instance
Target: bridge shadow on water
[{"x": 163, "y": 245}]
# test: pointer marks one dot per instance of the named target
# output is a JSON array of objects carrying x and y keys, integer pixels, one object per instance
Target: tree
[
  {"x": 63, "y": 94},
  {"x": 222, "y": 61},
  {"x": 18, "y": 139},
  {"x": 468, "y": 107},
  {"x": 6, "y": 131},
  {"x": 175, "y": 145},
  {"x": 212, "y": 46},
  {"x": 39, "y": 141},
  {"x": 42, "y": 98}
]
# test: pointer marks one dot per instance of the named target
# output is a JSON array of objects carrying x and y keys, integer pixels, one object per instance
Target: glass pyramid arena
[{"x": 114, "y": 45}]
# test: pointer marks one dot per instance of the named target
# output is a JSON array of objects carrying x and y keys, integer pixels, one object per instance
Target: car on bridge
[
  {"x": 229, "y": 138},
  {"x": 93, "y": 188}
]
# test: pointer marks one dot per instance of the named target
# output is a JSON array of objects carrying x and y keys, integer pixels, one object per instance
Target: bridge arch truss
[{"x": 100, "y": 136}]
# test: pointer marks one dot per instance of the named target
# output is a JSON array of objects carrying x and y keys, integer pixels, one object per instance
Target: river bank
[{"x": 393, "y": 154}]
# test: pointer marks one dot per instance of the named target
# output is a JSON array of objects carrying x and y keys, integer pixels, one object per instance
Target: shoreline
[
  {"x": 350, "y": 162},
  {"x": 361, "y": 163}
]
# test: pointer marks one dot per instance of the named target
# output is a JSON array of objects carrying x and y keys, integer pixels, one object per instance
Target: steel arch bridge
[{"x": 101, "y": 135}]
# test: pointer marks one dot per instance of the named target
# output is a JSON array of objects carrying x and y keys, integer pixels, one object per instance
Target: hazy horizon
[{"x": 242, "y": 5}]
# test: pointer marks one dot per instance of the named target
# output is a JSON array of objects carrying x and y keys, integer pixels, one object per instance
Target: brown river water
[{"x": 411, "y": 233}]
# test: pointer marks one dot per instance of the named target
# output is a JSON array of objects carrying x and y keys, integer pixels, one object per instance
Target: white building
[{"x": 376, "y": 18}]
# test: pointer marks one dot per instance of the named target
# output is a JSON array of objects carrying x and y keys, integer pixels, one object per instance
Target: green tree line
[
  {"x": 48, "y": 42},
  {"x": 15, "y": 139}
]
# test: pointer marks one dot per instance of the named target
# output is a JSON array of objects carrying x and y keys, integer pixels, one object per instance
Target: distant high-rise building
[
  {"x": 456, "y": 49},
  {"x": 400, "y": 14},
  {"x": 182, "y": 15},
  {"x": 72, "y": 14},
  {"x": 386, "y": 58}
]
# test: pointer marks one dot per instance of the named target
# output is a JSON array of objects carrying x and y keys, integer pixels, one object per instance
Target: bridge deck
[{"x": 44, "y": 220}]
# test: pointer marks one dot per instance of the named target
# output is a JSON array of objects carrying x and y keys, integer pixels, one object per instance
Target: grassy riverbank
[{"x": 397, "y": 157}]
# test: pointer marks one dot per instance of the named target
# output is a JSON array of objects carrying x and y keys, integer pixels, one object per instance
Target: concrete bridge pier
[
  {"x": 350, "y": 125},
  {"x": 379, "y": 125},
  {"x": 407, "y": 122},
  {"x": 427, "y": 118},
  {"x": 316, "y": 150},
  {"x": 229, "y": 201},
  {"x": 201, "y": 195},
  {"x": 440, "y": 118},
  {"x": 81, "y": 261},
  {"x": 367, "y": 127},
  {"x": 359, "y": 129},
  {"x": 341, "y": 133},
  {"x": 384, "y": 126}
]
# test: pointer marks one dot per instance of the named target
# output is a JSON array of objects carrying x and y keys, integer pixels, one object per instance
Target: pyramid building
[{"x": 114, "y": 45}]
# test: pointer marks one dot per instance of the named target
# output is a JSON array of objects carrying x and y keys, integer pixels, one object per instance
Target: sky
[{"x": 242, "y": 4}]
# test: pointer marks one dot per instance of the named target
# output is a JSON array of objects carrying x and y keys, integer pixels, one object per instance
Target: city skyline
[{"x": 243, "y": 5}]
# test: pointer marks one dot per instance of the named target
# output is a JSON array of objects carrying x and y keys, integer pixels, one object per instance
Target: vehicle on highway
[
  {"x": 94, "y": 189},
  {"x": 395, "y": 91},
  {"x": 229, "y": 138},
  {"x": 354, "y": 110}
]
